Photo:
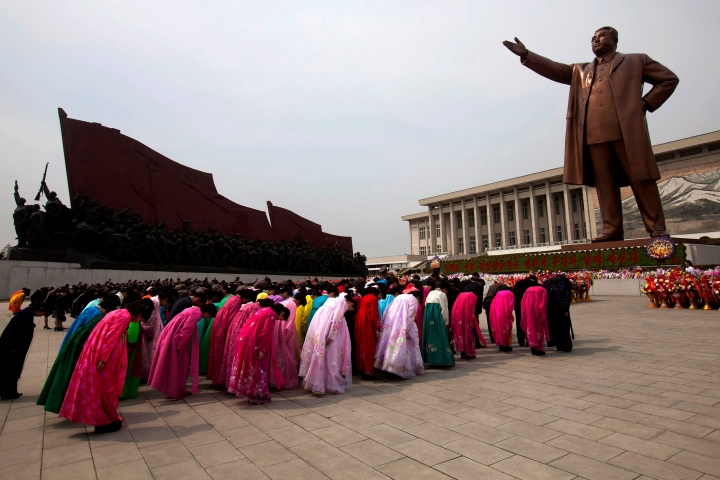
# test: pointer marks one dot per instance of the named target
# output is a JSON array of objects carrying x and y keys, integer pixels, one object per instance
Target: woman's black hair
[
  {"x": 351, "y": 299},
  {"x": 266, "y": 302},
  {"x": 329, "y": 288},
  {"x": 248, "y": 294},
  {"x": 110, "y": 303},
  {"x": 370, "y": 291},
  {"x": 165, "y": 294},
  {"x": 417, "y": 294},
  {"x": 216, "y": 295},
  {"x": 278, "y": 309},
  {"x": 142, "y": 307},
  {"x": 301, "y": 298},
  {"x": 199, "y": 294},
  {"x": 209, "y": 308}
]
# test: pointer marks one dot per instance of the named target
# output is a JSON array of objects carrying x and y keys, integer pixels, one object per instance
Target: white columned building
[
  {"x": 534, "y": 212},
  {"x": 538, "y": 212}
]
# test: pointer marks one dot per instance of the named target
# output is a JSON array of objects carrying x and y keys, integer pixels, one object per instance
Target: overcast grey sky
[{"x": 345, "y": 112}]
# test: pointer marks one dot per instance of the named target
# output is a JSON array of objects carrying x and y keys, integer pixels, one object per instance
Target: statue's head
[
  {"x": 604, "y": 41},
  {"x": 21, "y": 201}
]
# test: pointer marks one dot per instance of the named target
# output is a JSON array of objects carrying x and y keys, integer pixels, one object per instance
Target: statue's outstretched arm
[{"x": 555, "y": 71}]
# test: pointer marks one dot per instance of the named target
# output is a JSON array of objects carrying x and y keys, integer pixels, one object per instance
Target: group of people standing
[{"x": 248, "y": 338}]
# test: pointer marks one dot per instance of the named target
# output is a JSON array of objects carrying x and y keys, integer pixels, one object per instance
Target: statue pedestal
[
  {"x": 626, "y": 254},
  {"x": 637, "y": 242},
  {"x": 699, "y": 252}
]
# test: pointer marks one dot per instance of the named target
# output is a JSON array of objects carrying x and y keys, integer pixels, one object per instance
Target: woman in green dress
[
  {"x": 134, "y": 365},
  {"x": 204, "y": 331},
  {"x": 434, "y": 345}
]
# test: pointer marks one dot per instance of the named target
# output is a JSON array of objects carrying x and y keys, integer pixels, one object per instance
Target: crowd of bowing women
[{"x": 248, "y": 339}]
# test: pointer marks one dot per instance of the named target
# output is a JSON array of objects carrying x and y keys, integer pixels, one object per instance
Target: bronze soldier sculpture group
[
  {"x": 607, "y": 144},
  {"x": 102, "y": 234}
]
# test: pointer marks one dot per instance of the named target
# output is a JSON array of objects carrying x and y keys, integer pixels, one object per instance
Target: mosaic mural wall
[{"x": 691, "y": 199}]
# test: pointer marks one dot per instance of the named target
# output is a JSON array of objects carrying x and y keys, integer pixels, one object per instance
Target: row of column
[{"x": 491, "y": 226}]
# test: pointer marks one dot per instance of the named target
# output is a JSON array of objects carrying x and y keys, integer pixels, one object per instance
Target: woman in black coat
[
  {"x": 14, "y": 344},
  {"x": 558, "y": 312}
]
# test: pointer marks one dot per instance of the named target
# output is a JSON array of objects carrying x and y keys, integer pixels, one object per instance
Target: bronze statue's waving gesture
[
  {"x": 606, "y": 141},
  {"x": 518, "y": 48}
]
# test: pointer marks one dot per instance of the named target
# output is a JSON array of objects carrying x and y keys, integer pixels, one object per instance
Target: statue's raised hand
[{"x": 518, "y": 48}]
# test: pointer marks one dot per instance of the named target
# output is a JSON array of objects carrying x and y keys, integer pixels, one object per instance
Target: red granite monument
[{"x": 117, "y": 171}]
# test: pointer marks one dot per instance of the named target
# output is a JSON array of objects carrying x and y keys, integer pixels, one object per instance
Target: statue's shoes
[
  {"x": 610, "y": 237},
  {"x": 659, "y": 233}
]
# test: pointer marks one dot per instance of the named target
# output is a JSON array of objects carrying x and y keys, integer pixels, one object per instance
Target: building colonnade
[{"x": 529, "y": 215}]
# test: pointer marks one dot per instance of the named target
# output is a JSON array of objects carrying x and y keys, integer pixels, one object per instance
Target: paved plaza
[{"x": 639, "y": 397}]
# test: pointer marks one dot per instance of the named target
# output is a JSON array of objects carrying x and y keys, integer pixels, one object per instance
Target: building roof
[
  {"x": 555, "y": 172},
  {"x": 492, "y": 187},
  {"x": 711, "y": 137},
  {"x": 395, "y": 259},
  {"x": 415, "y": 216}
]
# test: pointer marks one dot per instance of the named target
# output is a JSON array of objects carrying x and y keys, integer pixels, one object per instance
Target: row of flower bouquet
[
  {"x": 676, "y": 288},
  {"x": 667, "y": 288}
]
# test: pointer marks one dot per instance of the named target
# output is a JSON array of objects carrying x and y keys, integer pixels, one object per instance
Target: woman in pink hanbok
[
  {"x": 501, "y": 319},
  {"x": 255, "y": 356},
  {"x": 326, "y": 357},
  {"x": 177, "y": 353},
  {"x": 534, "y": 319},
  {"x": 150, "y": 333},
  {"x": 286, "y": 345},
  {"x": 464, "y": 321},
  {"x": 248, "y": 309},
  {"x": 99, "y": 375},
  {"x": 217, "y": 338},
  {"x": 398, "y": 350}
]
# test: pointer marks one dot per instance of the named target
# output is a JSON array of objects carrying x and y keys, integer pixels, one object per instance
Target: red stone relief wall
[{"x": 119, "y": 172}]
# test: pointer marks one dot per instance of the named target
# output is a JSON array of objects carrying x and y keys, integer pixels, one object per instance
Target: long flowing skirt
[
  {"x": 559, "y": 325},
  {"x": 205, "y": 346},
  {"x": 398, "y": 352},
  {"x": 435, "y": 346},
  {"x": 92, "y": 396},
  {"x": 326, "y": 367},
  {"x": 58, "y": 380},
  {"x": 132, "y": 384},
  {"x": 252, "y": 380}
]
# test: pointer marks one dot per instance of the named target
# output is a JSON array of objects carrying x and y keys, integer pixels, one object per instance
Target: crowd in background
[{"x": 248, "y": 338}]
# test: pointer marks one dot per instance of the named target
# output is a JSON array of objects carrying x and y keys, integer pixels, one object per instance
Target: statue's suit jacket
[{"x": 629, "y": 71}]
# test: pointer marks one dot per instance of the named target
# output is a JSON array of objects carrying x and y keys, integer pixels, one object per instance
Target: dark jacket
[
  {"x": 19, "y": 332},
  {"x": 520, "y": 289},
  {"x": 180, "y": 305}
]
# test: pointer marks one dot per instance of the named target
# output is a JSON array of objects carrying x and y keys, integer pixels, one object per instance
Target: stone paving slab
[{"x": 639, "y": 397}]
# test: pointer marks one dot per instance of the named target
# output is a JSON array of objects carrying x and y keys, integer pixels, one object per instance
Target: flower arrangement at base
[{"x": 661, "y": 248}]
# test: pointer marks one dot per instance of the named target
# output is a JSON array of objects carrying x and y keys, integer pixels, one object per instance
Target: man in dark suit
[{"x": 607, "y": 144}]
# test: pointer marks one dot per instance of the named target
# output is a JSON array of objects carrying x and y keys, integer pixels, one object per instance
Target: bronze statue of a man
[{"x": 607, "y": 145}]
